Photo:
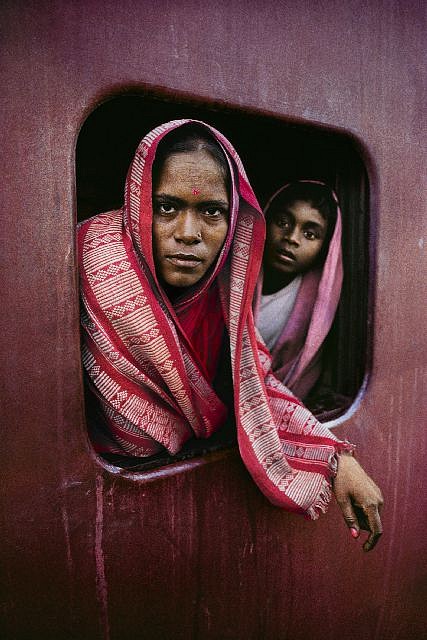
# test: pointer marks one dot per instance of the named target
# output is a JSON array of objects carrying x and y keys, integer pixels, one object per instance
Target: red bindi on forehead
[{"x": 195, "y": 192}]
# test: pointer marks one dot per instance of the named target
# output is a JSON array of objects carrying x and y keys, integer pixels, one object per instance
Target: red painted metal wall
[{"x": 195, "y": 551}]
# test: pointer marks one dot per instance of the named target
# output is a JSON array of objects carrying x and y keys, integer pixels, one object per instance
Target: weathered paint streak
[{"x": 101, "y": 581}]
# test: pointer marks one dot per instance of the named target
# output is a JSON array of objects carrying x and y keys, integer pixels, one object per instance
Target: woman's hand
[{"x": 359, "y": 499}]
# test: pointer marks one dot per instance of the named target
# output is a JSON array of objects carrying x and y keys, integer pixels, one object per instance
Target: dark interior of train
[{"x": 274, "y": 151}]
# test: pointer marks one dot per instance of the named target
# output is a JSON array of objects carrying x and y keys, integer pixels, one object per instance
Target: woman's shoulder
[{"x": 101, "y": 222}]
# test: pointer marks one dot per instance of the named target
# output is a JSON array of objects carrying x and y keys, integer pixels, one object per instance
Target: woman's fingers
[
  {"x": 367, "y": 518},
  {"x": 375, "y": 526},
  {"x": 361, "y": 518},
  {"x": 350, "y": 516},
  {"x": 359, "y": 499}
]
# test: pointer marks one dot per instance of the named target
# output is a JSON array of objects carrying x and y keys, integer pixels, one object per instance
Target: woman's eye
[
  {"x": 165, "y": 208},
  {"x": 213, "y": 212},
  {"x": 284, "y": 224}
]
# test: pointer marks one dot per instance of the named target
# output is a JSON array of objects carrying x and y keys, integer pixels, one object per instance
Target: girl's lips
[{"x": 286, "y": 256}]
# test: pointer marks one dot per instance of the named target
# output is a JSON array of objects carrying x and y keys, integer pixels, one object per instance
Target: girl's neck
[{"x": 273, "y": 281}]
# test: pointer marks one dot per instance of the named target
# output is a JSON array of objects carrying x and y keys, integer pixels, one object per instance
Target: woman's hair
[
  {"x": 319, "y": 196},
  {"x": 190, "y": 137}
]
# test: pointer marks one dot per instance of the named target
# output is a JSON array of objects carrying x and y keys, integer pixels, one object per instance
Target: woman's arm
[{"x": 359, "y": 499}]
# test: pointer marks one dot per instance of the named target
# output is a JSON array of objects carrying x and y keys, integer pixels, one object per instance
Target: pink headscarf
[
  {"x": 151, "y": 384},
  {"x": 296, "y": 356}
]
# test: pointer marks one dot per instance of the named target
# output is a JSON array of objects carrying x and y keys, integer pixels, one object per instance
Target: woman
[
  {"x": 299, "y": 291},
  {"x": 167, "y": 286}
]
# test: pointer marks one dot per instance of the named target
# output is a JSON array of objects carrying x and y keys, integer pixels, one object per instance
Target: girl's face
[
  {"x": 295, "y": 236},
  {"x": 190, "y": 217}
]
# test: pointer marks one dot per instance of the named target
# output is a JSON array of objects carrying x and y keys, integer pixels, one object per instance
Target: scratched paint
[{"x": 101, "y": 582}]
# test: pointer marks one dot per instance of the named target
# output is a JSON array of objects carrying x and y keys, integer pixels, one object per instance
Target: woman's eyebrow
[
  {"x": 169, "y": 198},
  {"x": 180, "y": 201},
  {"x": 213, "y": 203}
]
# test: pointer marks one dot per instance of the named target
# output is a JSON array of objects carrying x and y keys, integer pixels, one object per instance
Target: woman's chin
[{"x": 181, "y": 281}]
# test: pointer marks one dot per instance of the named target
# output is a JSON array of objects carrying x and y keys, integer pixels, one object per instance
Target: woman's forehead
[{"x": 190, "y": 171}]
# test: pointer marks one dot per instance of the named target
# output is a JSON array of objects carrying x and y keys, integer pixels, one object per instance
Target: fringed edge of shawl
[{"x": 322, "y": 501}]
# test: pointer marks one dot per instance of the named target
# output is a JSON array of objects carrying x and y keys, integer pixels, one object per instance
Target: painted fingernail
[{"x": 354, "y": 532}]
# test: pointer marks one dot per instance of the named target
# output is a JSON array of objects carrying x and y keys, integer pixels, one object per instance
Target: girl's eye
[
  {"x": 310, "y": 235},
  {"x": 284, "y": 223}
]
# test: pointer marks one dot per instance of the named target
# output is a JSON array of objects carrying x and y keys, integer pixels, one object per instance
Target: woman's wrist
[{"x": 345, "y": 448}]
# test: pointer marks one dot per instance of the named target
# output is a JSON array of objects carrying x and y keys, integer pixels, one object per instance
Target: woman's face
[
  {"x": 190, "y": 217},
  {"x": 295, "y": 236}
]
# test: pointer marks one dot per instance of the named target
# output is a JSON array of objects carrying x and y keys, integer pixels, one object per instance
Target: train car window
[{"x": 273, "y": 151}]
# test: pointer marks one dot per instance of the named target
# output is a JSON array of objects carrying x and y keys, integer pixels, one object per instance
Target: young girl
[
  {"x": 167, "y": 284},
  {"x": 302, "y": 276}
]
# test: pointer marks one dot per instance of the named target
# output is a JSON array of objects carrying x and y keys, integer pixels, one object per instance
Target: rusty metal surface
[{"x": 196, "y": 552}]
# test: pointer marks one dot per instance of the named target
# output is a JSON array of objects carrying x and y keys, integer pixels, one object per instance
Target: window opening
[{"x": 273, "y": 152}]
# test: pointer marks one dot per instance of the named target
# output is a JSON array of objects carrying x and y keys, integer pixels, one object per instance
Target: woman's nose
[{"x": 188, "y": 228}]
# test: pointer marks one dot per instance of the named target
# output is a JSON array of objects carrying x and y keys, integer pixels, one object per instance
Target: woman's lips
[{"x": 187, "y": 260}]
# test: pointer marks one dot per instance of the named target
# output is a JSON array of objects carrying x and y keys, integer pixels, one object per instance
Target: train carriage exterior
[{"x": 192, "y": 550}]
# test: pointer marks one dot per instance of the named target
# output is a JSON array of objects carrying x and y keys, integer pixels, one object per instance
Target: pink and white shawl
[
  {"x": 296, "y": 356},
  {"x": 150, "y": 384}
]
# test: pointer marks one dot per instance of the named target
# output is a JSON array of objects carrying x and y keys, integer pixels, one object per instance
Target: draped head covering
[
  {"x": 296, "y": 356},
  {"x": 150, "y": 380}
]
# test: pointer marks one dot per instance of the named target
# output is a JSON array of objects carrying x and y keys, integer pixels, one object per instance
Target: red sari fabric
[
  {"x": 296, "y": 356},
  {"x": 151, "y": 368},
  {"x": 203, "y": 324}
]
